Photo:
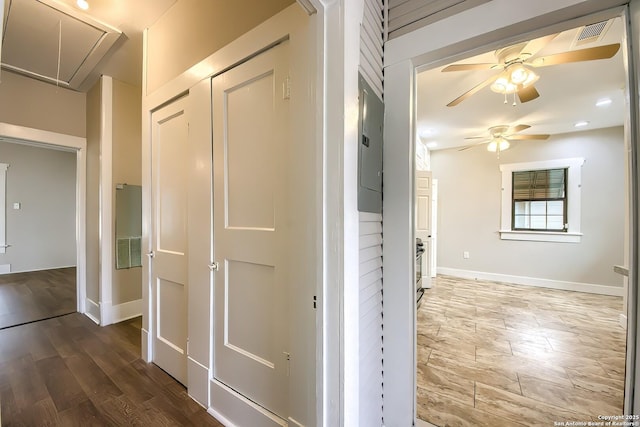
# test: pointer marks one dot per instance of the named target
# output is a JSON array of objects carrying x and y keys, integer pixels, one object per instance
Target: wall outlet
[
  {"x": 465, "y": 254},
  {"x": 16, "y": 206}
]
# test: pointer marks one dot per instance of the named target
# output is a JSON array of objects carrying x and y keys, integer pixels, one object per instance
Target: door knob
[
  {"x": 214, "y": 266},
  {"x": 151, "y": 254}
]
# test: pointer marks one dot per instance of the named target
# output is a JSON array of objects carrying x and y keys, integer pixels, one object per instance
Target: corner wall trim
[
  {"x": 623, "y": 321},
  {"x": 533, "y": 281}
]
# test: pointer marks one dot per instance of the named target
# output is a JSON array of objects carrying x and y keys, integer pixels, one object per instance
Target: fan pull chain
[
  {"x": 514, "y": 99},
  {"x": 505, "y": 98},
  {"x": 59, "y": 52}
]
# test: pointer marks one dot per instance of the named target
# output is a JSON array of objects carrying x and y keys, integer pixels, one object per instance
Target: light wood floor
[
  {"x": 37, "y": 295},
  {"x": 68, "y": 371},
  {"x": 492, "y": 354}
]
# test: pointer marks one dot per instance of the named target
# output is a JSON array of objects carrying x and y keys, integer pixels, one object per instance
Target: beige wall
[
  {"x": 469, "y": 210},
  {"x": 94, "y": 97},
  {"x": 193, "y": 29},
  {"x": 32, "y": 103},
  {"x": 127, "y": 169},
  {"x": 42, "y": 233}
]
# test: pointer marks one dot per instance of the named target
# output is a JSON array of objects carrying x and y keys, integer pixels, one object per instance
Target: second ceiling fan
[{"x": 515, "y": 63}]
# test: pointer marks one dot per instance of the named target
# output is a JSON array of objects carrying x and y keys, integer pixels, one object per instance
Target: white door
[
  {"x": 250, "y": 137},
  {"x": 433, "y": 242},
  {"x": 169, "y": 137},
  {"x": 423, "y": 221}
]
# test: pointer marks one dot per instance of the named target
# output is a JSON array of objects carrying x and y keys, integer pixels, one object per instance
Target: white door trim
[
  {"x": 435, "y": 45},
  {"x": 46, "y": 139}
]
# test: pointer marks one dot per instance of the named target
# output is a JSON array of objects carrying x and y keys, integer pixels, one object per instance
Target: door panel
[
  {"x": 169, "y": 238},
  {"x": 250, "y": 122},
  {"x": 423, "y": 221}
]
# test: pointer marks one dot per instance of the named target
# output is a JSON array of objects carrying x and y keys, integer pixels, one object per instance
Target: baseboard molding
[
  {"x": 105, "y": 313},
  {"x": 237, "y": 410},
  {"x": 623, "y": 321},
  {"x": 31, "y": 270},
  {"x": 126, "y": 311},
  {"x": 532, "y": 281},
  {"x": 92, "y": 310},
  {"x": 198, "y": 380}
]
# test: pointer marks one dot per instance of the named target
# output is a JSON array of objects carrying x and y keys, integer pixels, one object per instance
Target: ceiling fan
[
  {"x": 515, "y": 62},
  {"x": 501, "y": 136}
]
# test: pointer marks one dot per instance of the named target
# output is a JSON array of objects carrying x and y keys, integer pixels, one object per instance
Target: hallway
[{"x": 70, "y": 371}]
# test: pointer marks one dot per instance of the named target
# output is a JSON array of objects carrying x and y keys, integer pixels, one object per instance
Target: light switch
[{"x": 16, "y": 206}]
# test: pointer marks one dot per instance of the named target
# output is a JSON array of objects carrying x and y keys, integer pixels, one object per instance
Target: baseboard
[
  {"x": 532, "y": 281},
  {"x": 126, "y": 311},
  {"x": 422, "y": 423},
  {"x": 92, "y": 310},
  {"x": 198, "y": 380},
  {"x": 237, "y": 410},
  {"x": 31, "y": 270},
  {"x": 146, "y": 346},
  {"x": 623, "y": 321},
  {"x": 105, "y": 313},
  {"x": 218, "y": 416}
]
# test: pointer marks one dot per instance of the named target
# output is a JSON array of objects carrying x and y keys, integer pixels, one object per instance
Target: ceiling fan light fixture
[
  {"x": 514, "y": 78},
  {"x": 498, "y": 144},
  {"x": 492, "y": 146}
]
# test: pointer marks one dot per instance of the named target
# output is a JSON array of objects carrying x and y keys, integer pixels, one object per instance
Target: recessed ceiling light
[
  {"x": 581, "y": 124},
  {"x": 432, "y": 144},
  {"x": 603, "y": 102},
  {"x": 83, "y": 4}
]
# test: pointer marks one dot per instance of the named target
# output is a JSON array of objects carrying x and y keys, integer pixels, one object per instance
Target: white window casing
[
  {"x": 3, "y": 207},
  {"x": 573, "y": 185}
]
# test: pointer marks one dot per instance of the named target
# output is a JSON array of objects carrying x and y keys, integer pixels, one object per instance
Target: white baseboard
[
  {"x": 236, "y": 409},
  {"x": 105, "y": 313},
  {"x": 31, "y": 270},
  {"x": 623, "y": 321},
  {"x": 532, "y": 281},
  {"x": 198, "y": 380},
  {"x": 145, "y": 350},
  {"x": 126, "y": 311},
  {"x": 92, "y": 310}
]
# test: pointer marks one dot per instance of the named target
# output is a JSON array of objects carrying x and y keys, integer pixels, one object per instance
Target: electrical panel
[{"x": 370, "y": 120}]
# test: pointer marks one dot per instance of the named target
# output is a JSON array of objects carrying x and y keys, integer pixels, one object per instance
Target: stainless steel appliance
[{"x": 419, "y": 252}]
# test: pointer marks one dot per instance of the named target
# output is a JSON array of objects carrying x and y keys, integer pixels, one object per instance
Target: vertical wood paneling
[
  {"x": 371, "y": 45},
  {"x": 370, "y": 319},
  {"x": 408, "y": 15},
  {"x": 370, "y": 286}
]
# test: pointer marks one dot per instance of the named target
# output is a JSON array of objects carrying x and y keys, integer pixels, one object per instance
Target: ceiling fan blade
[
  {"x": 519, "y": 128},
  {"x": 472, "y": 91},
  {"x": 466, "y": 147},
  {"x": 523, "y": 137},
  {"x": 528, "y": 94},
  {"x": 535, "y": 45},
  {"x": 466, "y": 67},
  {"x": 476, "y": 137},
  {"x": 589, "y": 54}
]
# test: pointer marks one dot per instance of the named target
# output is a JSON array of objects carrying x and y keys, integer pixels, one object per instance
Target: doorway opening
[
  {"x": 524, "y": 313},
  {"x": 44, "y": 247}
]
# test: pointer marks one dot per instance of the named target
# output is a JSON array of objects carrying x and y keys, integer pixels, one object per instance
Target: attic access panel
[{"x": 30, "y": 41}]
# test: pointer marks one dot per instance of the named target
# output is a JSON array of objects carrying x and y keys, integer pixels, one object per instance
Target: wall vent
[{"x": 592, "y": 33}]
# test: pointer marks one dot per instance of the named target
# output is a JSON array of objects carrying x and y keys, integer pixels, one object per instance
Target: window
[{"x": 541, "y": 201}]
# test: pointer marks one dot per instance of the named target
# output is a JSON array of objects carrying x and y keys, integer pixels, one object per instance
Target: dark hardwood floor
[
  {"x": 37, "y": 295},
  {"x": 68, "y": 371}
]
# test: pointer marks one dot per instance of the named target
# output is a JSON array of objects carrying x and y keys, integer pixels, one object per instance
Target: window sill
[{"x": 541, "y": 236}]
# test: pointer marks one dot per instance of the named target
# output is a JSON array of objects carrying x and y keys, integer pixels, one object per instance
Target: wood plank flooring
[
  {"x": 36, "y": 295},
  {"x": 492, "y": 354},
  {"x": 68, "y": 371}
]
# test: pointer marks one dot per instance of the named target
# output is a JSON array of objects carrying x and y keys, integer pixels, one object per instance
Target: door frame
[
  {"x": 54, "y": 140},
  {"x": 403, "y": 56}
]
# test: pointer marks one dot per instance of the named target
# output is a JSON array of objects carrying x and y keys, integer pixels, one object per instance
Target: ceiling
[
  {"x": 105, "y": 39},
  {"x": 568, "y": 94}
]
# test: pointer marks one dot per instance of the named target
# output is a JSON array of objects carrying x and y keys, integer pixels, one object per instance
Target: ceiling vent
[
  {"x": 592, "y": 33},
  {"x": 53, "y": 42}
]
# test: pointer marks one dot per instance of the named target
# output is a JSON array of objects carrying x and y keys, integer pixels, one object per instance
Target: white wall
[
  {"x": 469, "y": 210},
  {"x": 35, "y": 104},
  {"x": 42, "y": 233}
]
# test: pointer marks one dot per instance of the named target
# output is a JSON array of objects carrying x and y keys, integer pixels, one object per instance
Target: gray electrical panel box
[{"x": 370, "y": 122}]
